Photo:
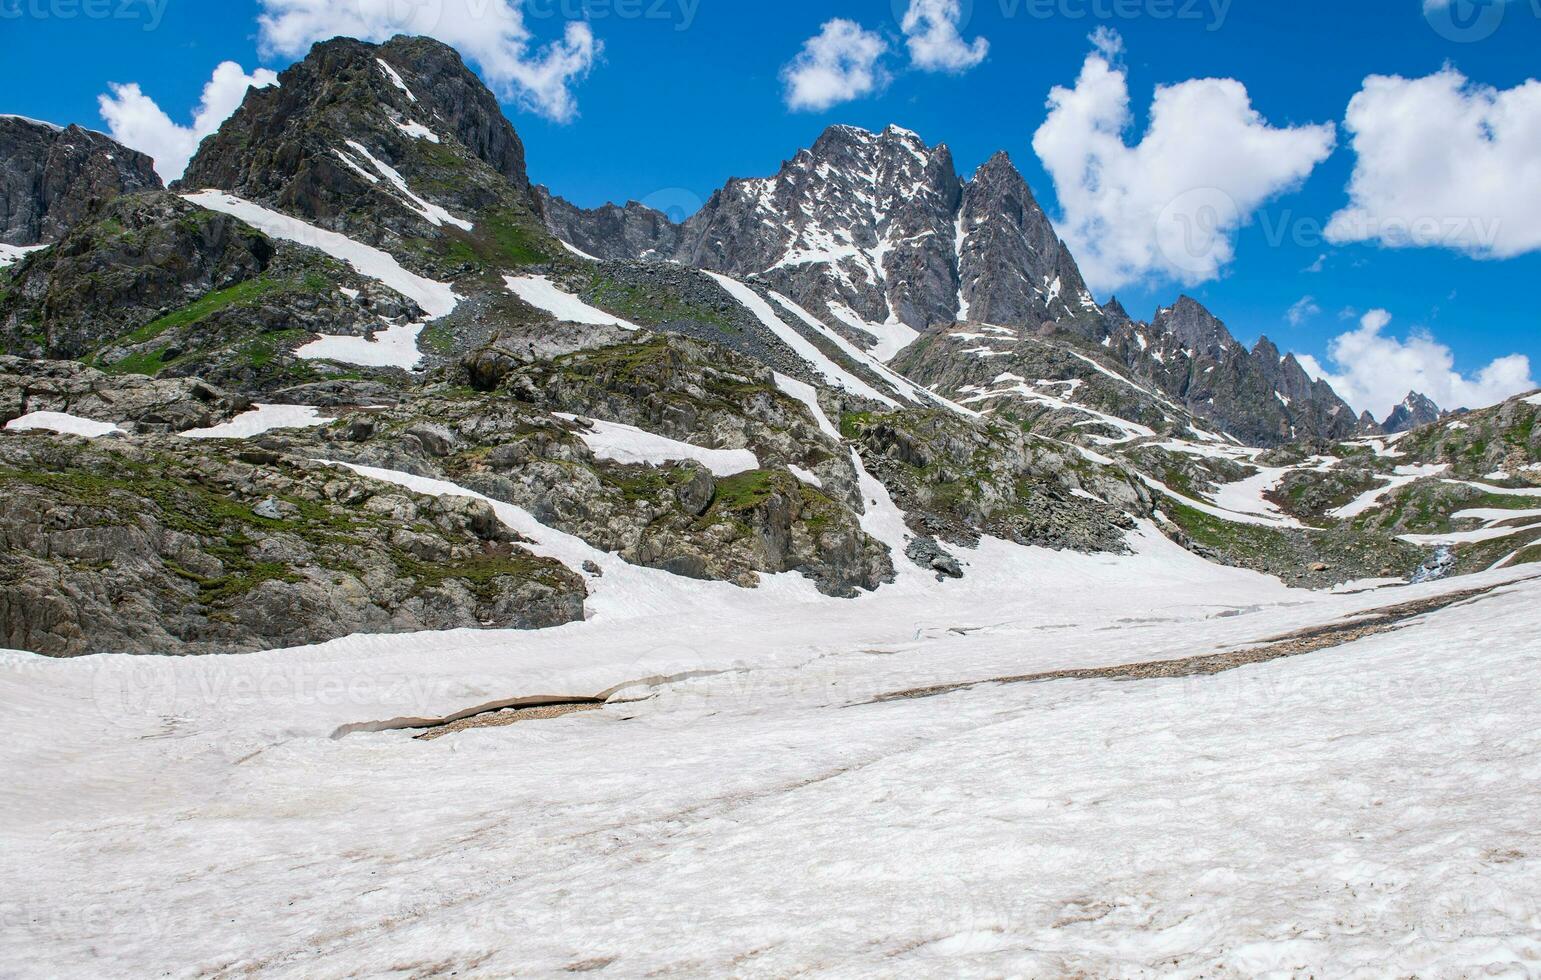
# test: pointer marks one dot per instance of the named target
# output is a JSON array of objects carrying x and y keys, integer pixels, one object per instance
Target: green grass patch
[{"x": 240, "y": 294}]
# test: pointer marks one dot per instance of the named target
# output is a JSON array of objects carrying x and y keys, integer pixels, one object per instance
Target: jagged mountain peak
[
  {"x": 390, "y": 144},
  {"x": 52, "y": 177},
  {"x": 411, "y": 88},
  {"x": 1195, "y": 328},
  {"x": 1416, "y": 410}
]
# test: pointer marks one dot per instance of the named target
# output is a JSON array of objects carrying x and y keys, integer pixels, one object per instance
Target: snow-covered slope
[{"x": 1378, "y": 792}]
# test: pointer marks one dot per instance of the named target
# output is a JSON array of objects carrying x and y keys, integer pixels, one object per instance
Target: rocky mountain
[
  {"x": 399, "y": 145},
  {"x": 51, "y": 177},
  {"x": 634, "y": 231},
  {"x": 1416, "y": 410},
  {"x": 859, "y": 366},
  {"x": 879, "y": 238}
]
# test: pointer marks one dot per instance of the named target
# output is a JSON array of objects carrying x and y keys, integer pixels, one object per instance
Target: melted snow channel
[{"x": 628, "y": 444}]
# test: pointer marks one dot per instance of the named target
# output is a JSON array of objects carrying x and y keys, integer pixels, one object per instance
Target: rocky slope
[
  {"x": 877, "y": 236},
  {"x": 52, "y": 177},
  {"x": 166, "y": 546},
  {"x": 151, "y": 284}
]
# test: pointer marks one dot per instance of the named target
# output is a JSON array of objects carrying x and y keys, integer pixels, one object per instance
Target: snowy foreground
[{"x": 743, "y": 805}]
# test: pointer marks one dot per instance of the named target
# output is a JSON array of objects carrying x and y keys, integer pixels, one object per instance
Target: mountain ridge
[{"x": 824, "y": 229}]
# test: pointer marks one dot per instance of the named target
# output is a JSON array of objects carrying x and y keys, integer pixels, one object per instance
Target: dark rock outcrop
[
  {"x": 182, "y": 547},
  {"x": 611, "y": 232},
  {"x": 52, "y": 178},
  {"x": 398, "y": 145},
  {"x": 1416, "y": 410},
  {"x": 132, "y": 401}
]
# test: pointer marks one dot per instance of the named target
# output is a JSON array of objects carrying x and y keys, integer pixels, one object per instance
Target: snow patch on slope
[
  {"x": 12, "y": 254},
  {"x": 395, "y": 346},
  {"x": 436, "y": 298},
  {"x": 62, "y": 423},
  {"x": 888, "y": 338},
  {"x": 543, "y": 294},
  {"x": 262, "y": 418},
  {"x": 628, "y": 444},
  {"x": 831, "y": 372}
]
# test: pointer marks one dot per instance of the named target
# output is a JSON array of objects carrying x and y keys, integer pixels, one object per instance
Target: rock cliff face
[
  {"x": 165, "y": 546},
  {"x": 611, "y": 232},
  {"x": 1416, "y": 410},
  {"x": 398, "y": 145},
  {"x": 52, "y": 177}
]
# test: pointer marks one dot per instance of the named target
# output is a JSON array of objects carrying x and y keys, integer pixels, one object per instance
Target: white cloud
[
  {"x": 1444, "y": 163},
  {"x": 1318, "y": 265},
  {"x": 1304, "y": 309},
  {"x": 1170, "y": 205},
  {"x": 837, "y": 65},
  {"x": 492, "y": 33},
  {"x": 931, "y": 29},
  {"x": 1374, "y": 372},
  {"x": 135, "y": 120}
]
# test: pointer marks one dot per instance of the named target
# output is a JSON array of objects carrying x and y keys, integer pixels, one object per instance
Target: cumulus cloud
[
  {"x": 931, "y": 30},
  {"x": 135, "y": 120},
  {"x": 491, "y": 33},
  {"x": 838, "y": 64},
  {"x": 1304, "y": 309},
  {"x": 1443, "y": 162},
  {"x": 1170, "y": 205},
  {"x": 1375, "y": 372}
]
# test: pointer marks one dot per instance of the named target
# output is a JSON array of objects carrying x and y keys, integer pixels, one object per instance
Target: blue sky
[{"x": 690, "y": 93}]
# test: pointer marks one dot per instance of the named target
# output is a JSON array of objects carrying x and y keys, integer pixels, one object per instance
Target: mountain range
[{"x": 357, "y": 275}]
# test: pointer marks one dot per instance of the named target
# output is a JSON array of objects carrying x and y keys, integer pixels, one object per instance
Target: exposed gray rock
[
  {"x": 610, "y": 232},
  {"x": 925, "y": 552},
  {"x": 179, "y": 546},
  {"x": 1416, "y": 410},
  {"x": 52, "y": 178},
  {"x": 132, "y": 401}
]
